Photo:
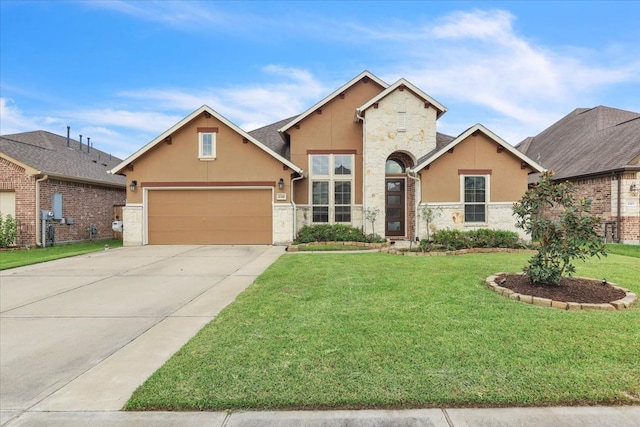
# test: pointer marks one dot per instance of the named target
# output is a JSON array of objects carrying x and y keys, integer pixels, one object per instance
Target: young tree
[
  {"x": 370, "y": 215},
  {"x": 429, "y": 214},
  {"x": 571, "y": 235}
]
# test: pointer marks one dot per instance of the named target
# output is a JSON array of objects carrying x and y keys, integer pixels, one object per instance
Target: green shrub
[
  {"x": 334, "y": 233},
  {"x": 453, "y": 240},
  {"x": 8, "y": 230}
]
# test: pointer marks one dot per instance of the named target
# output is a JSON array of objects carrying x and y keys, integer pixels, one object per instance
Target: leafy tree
[{"x": 569, "y": 235}]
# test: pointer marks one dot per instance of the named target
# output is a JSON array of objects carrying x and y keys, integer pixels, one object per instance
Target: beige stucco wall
[
  {"x": 334, "y": 129},
  {"x": 236, "y": 161},
  {"x": 508, "y": 182}
]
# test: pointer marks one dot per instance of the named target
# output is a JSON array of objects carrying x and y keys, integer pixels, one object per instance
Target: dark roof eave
[
  {"x": 81, "y": 180},
  {"x": 629, "y": 168}
]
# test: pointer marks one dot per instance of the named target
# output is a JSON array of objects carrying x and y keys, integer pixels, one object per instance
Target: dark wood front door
[{"x": 394, "y": 223}]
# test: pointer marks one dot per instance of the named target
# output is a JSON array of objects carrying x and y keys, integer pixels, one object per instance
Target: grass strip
[
  {"x": 20, "y": 257},
  {"x": 382, "y": 331},
  {"x": 622, "y": 249}
]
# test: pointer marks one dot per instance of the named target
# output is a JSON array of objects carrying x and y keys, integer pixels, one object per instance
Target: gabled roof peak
[
  {"x": 472, "y": 130},
  {"x": 363, "y": 75},
  {"x": 208, "y": 110},
  {"x": 400, "y": 85}
]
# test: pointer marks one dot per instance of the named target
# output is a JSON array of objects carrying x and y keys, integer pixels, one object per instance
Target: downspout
[
  {"x": 293, "y": 204},
  {"x": 619, "y": 219},
  {"x": 38, "y": 181},
  {"x": 419, "y": 186},
  {"x": 364, "y": 166}
]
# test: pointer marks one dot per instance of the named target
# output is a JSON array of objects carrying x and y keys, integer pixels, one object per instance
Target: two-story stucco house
[{"x": 367, "y": 147}]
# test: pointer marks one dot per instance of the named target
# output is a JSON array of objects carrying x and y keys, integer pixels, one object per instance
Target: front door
[{"x": 394, "y": 207}]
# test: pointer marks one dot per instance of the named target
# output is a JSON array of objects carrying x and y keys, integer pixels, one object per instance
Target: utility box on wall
[{"x": 57, "y": 206}]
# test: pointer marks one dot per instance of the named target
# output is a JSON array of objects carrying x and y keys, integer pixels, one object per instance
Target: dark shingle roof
[
  {"x": 586, "y": 142},
  {"x": 269, "y": 136},
  {"x": 442, "y": 141},
  {"x": 49, "y": 154}
]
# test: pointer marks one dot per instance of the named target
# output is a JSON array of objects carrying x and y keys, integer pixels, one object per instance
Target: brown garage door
[{"x": 209, "y": 217}]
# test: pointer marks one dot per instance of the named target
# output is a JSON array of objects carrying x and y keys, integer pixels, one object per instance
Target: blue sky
[{"x": 122, "y": 72}]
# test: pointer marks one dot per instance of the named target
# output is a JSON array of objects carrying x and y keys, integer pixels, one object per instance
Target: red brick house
[
  {"x": 598, "y": 150},
  {"x": 41, "y": 171}
]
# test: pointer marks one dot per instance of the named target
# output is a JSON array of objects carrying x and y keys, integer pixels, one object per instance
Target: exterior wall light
[
  {"x": 633, "y": 188},
  {"x": 133, "y": 185},
  {"x": 281, "y": 184}
]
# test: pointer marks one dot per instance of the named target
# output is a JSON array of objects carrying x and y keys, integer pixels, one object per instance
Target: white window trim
[
  {"x": 487, "y": 192},
  {"x": 213, "y": 146},
  {"x": 332, "y": 178}
]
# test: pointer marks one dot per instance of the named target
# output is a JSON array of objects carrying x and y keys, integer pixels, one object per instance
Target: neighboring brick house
[
  {"x": 42, "y": 171},
  {"x": 367, "y": 147},
  {"x": 598, "y": 150}
]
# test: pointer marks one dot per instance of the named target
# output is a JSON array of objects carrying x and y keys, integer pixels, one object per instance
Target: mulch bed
[{"x": 569, "y": 290}]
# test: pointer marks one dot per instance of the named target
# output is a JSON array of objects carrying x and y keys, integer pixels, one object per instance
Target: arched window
[{"x": 394, "y": 166}]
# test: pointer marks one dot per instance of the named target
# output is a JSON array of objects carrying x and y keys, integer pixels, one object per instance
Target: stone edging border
[
  {"x": 620, "y": 304},
  {"x": 363, "y": 245}
]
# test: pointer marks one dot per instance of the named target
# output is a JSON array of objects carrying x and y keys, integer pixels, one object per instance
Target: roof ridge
[{"x": 24, "y": 142}]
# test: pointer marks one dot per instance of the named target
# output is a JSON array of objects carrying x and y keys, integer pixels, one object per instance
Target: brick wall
[
  {"x": 87, "y": 204},
  {"x": 603, "y": 192},
  {"x": 15, "y": 179}
]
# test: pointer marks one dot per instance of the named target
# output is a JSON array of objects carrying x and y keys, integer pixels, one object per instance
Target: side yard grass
[
  {"x": 20, "y": 257},
  {"x": 320, "y": 331},
  {"x": 627, "y": 250}
]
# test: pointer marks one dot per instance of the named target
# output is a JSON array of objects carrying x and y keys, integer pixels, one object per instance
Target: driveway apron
[{"x": 82, "y": 333}]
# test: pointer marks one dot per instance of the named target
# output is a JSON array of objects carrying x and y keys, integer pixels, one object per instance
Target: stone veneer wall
[
  {"x": 282, "y": 224},
  {"x": 132, "y": 218},
  {"x": 499, "y": 217},
  {"x": 383, "y": 138},
  {"x": 303, "y": 217}
]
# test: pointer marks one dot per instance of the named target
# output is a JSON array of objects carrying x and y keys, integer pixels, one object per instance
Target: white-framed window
[
  {"x": 331, "y": 187},
  {"x": 206, "y": 145},
  {"x": 475, "y": 195}
]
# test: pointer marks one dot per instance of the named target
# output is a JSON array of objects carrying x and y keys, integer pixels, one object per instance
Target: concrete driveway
[{"x": 82, "y": 333}]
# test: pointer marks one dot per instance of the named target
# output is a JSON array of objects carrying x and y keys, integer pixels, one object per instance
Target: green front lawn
[
  {"x": 384, "y": 331},
  {"x": 20, "y": 257}
]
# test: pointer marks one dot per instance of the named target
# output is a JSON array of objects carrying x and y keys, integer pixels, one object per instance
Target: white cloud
[
  {"x": 147, "y": 121},
  {"x": 13, "y": 120},
  {"x": 477, "y": 58},
  {"x": 174, "y": 13},
  {"x": 250, "y": 105}
]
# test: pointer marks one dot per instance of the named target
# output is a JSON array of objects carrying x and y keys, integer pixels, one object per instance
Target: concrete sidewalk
[{"x": 624, "y": 416}]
